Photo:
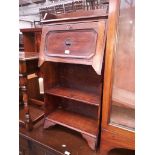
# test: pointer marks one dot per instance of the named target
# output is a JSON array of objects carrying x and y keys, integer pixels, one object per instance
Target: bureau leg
[
  {"x": 90, "y": 140},
  {"x": 28, "y": 120}
]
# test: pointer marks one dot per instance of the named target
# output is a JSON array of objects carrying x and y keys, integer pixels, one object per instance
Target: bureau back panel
[{"x": 80, "y": 77}]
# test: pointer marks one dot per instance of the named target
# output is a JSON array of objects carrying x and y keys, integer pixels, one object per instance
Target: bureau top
[
  {"x": 79, "y": 15},
  {"x": 30, "y": 30}
]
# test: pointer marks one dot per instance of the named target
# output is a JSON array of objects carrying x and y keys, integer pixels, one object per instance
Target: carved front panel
[{"x": 73, "y": 44}]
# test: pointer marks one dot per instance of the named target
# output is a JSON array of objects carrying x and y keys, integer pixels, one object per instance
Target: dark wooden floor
[{"x": 59, "y": 139}]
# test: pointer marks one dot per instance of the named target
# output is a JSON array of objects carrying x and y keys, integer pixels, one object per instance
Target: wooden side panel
[
  {"x": 31, "y": 39},
  {"x": 33, "y": 88},
  {"x": 37, "y": 41},
  {"x": 29, "y": 42}
]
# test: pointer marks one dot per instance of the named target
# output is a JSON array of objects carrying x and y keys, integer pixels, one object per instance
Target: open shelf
[
  {"x": 74, "y": 94},
  {"x": 74, "y": 121}
]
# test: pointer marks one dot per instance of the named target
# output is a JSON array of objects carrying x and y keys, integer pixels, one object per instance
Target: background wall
[{"x": 29, "y": 10}]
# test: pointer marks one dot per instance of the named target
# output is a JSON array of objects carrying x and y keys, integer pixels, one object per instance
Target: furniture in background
[
  {"x": 28, "y": 79},
  {"x": 31, "y": 39},
  {"x": 60, "y": 9},
  {"x": 21, "y": 43},
  {"x": 118, "y": 113}
]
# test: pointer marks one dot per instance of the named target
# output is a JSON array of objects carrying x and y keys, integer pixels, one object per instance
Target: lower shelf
[
  {"x": 88, "y": 127},
  {"x": 35, "y": 112},
  {"x": 75, "y": 121},
  {"x": 74, "y": 94}
]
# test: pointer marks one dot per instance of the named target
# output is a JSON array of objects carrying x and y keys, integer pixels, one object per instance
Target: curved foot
[
  {"x": 48, "y": 123},
  {"x": 90, "y": 140}
]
